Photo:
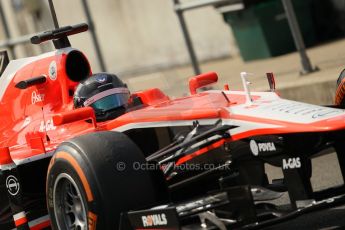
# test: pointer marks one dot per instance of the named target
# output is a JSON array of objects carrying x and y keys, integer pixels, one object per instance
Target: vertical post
[
  {"x": 246, "y": 89},
  {"x": 297, "y": 36},
  {"x": 14, "y": 189},
  {"x": 60, "y": 42},
  {"x": 6, "y": 29},
  {"x": 187, "y": 38},
  {"x": 52, "y": 11},
  {"x": 93, "y": 35}
]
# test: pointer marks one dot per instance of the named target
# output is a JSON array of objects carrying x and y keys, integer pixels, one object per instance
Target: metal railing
[
  {"x": 9, "y": 43},
  {"x": 180, "y": 8},
  {"x": 297, "y": 37}
]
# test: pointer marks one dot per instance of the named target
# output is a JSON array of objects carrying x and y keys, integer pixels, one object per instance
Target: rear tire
[{"x": 91, "y": 181}]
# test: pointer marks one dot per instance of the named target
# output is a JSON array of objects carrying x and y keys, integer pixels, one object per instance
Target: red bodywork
[
  {"x": 26, "y": 115},
  {"x": 36, "y": 119}
]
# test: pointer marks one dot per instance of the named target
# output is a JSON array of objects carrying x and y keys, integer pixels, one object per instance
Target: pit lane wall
[{"x": 320, "y": 93}]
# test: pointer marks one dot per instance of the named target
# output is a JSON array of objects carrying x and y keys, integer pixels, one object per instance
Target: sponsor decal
[
  {"x": 36, "y": 97},
  {"x": 288, "y": 111},
  {"x": 154, "y": 220},
  {"x": 12, "y": 184},
  {"x": 256, "y": 148},
  {"x": 92, "y": 219},
  {"x": 292, "y": 163},
  {"x": 52, "y": 71},
  {"x": 47, "y": 126},
  {"x": 324, "y": 113},
  {"x": 101, "y": 79}
]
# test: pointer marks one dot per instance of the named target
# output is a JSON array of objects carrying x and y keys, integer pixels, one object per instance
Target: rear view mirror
[
  {"x": 202, "y": 80},
  {"x": 85, "y": 113}
]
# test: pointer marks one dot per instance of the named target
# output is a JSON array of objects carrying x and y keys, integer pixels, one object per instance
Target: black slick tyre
[{"x": 92, "y": 179}]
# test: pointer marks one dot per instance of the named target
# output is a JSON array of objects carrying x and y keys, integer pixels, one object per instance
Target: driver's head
[{"x": 105, "y": 93}]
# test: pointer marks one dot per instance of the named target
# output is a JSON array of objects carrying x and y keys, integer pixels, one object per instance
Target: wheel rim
[{"x": 69, "y": 207}]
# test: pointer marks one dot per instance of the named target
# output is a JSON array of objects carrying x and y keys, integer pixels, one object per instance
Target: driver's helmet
[{"x": 105, "y": 93}]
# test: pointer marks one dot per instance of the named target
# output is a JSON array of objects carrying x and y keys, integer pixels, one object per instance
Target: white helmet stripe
[{"x": 105, "y": 94}]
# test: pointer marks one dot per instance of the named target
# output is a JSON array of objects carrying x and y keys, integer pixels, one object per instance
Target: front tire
[{"x": 87, "y": 188}]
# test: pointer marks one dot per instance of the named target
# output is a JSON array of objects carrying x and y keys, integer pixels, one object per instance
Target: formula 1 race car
[{"x": 195, "y": 162}]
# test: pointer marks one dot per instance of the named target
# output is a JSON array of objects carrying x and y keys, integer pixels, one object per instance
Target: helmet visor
[{"x": 110, "y": 102}]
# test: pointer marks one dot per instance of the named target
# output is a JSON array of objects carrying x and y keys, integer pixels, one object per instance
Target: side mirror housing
[
  {"x": 202, "y": 80},
  {"x": 75, "y": 115}
]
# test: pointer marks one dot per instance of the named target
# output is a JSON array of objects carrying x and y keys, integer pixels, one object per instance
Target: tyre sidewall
[
  {"x": 91, "y": 160},
  {"x": 57, "y": 167}
]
